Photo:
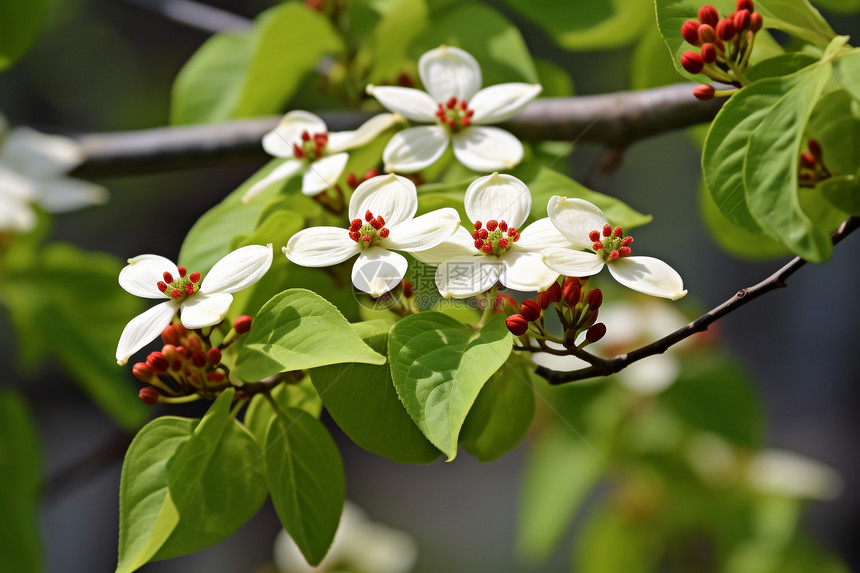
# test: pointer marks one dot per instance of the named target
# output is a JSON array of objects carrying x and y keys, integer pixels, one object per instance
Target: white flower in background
[
  {"x": 469, "y": 264},
  {"x": 780, "y": 472},
  {"x": 359, "y": 546},
  {"x": 586, "y": 227},
  {"x": 312, "y": 150},
  {"x": 32, "y": 170},
  {"x": 382, "y": 214},
  {"x": 461, "y": 110},
  {"x": 199, "y": 303}
]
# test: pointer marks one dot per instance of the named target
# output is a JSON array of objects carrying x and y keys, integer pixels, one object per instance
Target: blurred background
[{"x": 105, "y": 65}]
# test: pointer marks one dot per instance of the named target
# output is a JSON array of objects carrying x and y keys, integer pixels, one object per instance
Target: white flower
[
  {"x": 199, "y": 304},
  {"x": 305, "y": 141},
  {"x": 455, "y": 102},
  {"x": 784, "y": 473},
  {"x": 382, "y": 214},
  {"x": 32, "y": 170},
  {"x": 468, "y": 264},
  {"x": 359, "y": 545},
  {"x": 586, "y": 227}
]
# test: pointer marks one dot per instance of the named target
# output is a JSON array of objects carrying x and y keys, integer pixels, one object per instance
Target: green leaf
[
  {"x": 362, "y": 400},
  {"x": 385, "y": 49},
  {"x": 556, "y": 80},
  {"x": 847, "y": 71},
  {"x": 439, "y": 366},
  {"x": 501, "y": 414},
  {"x": 549, "y": 183},
  {"x": 671, "y": 15},
  {"x": 842, "y": 192},
  {"x": 560, "y": 472},
  {"x": 652, "y": 65},
  {"x": 486, "y": 34},
  {"x": 306, "y": 481},
  {"x": 20, "y": 22},
  {"x": 298, "y": 329},
  {"x": 798, "y": 18},
  {"x": 610, "y": 541},
  {"x": 770, "y": 169},
  {"x": 728, "y": 138},
  {"x": 839, "y": 6},
  {"x": 300, "y": 395},
  {"x": 209, "y": 86},
  {"x": 782, "y": 65},
  {"x": 20, "y": 472}
]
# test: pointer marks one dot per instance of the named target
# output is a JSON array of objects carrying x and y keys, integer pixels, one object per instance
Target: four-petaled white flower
[
  {"x": 311, "y": 149},
  {"x": 199, "y": 304},
  {"x": 468, "y": 264},
  {"x": 382, "y": 214},
  {"x": 32, "y": 170},
  {"x": 455, "y": 102},
  {"x": 586, "y": 227}
]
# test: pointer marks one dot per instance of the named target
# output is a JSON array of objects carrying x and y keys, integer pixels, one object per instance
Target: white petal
[
  {"x": 573, "y": 263},
  {"x": 320, "y": 247},
  {"x": 423, "y": 232},
  {"x": 366, "y": 132},
  {"x": 283, "y": 171},
  {"x": 16, "y": 216},
  {"x": 648, "y": 275},
  {"x": 392, "y": 196},
  {"x": 415, "y": 148},
  {"x": 785, "y": 473},
  {"x": 651, "y": 375},
  {"x": 16, "y": 185},
  {"x": 460, "y": 244},
  {"x": 485, "y": 149},
  {"x": 497, "y": 103},
  {"x": 141, "y": 275},
  {"x": 237, "y": 270},
  {"x": 376, "y": 271},
  {"x": 143, "y": 329},
  {"x": 204, "y": 309},
  {"x": 323, "y": 173},
  {"x": 67, "y": 194},
  {"x": 575, "y": 219},
  {"x": 498, "y": 197},
  {"x": 279, "y": 142},
  {"x": 526, "y": 272},
  {"x": 447, "y": 72},
  {"x": 541, "y": 236},
  {"x": 40, "y": 155},
  {"x": 408, "y": 102},
  {"x": 462, "y": 277}
]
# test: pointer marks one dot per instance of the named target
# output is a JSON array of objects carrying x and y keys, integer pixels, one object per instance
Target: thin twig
[
  {"x": 607, "y": 366},
  {"x": 623, "y": 118}
]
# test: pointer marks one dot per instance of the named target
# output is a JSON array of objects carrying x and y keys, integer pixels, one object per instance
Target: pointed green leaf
[
  {"x": 362, "y": 400},
  {"x": 798, "y": 18},
  {"x": 300, "y": 395},
  {"x": 20, "y": 22},
  {"x": 439, "y": 366},
  {"x": 847, "y": 71},
  {"x": 501, "y": 414},
  {"x": 842, "y": 192},
  {"x": 298, "y": 329},
  {"x": 306, "y": 481}
]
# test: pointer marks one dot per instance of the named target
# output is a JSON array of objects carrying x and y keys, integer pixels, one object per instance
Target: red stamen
[
  {"x": 463, "y": 105},
  {"x": 189, "y": 288},
  {"x": 607, "y": 230},
  {"x": 483, "y": 234},
  {"x": 298, "y": 152},
  {"x": 381, "y": 220},
  {"x": 479, "y": 244},
  {"x": 168, "y": 278},
  {"x": 355, "y": 225},
  {"x": 512, "y": 232},
  {"x": 594, "y": 236},
  {"x": 618, "y": 232},
  {"x": 477, "y": 225},
  {"x": 161, "y": 286},
  {"x": 613, "y": 254},
  {"x": 626, "y": 241},
  {"x": 466, "y": 122},
  {"x": 367, "y": 239},
  {"x": 368, "y": 216},
  {"x": 306, "y": 136},
  {"x": 503, "y": 226},
  {"x": 355, "y": 236},
  {"x": 597, "y": 245},
  {"x": 625, "y": 251},
  {"x": 384, "y": 233},
  {"x": 487, "y": 248},
  {"x": 182, "y": 271},
  {"x": 503, "y": 243},
  {"x": 376, "y": 224},
  {"x": 475, "y": 234},
  {"x": 176, "y": 294},
  {"x": 492, "y": 224},
  {"x": 194, "y": 277},
  {"x": 451, "y": 102}
]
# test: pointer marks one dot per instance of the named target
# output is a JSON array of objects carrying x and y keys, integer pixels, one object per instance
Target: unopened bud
[
  {"x": 692, "y": 62},
  {"x": 704, "y": 92},
  {"x": 194, "y": 343},
  {"x": 198, "y": 359},
  {"x": 213, "y": 357},
  {"x": 554, "y": 292},
  {"x": 142, "y": 372},
  {"x": 807, "y": 159},
  {"x": 596, "y": 332},
  {"x": 744, "y": 5},
  {"x": 690, "y": 32},
  {"x": 530, "y": 310},
  {"x": 726, "y": 29},
  {"x": 406, "y": 286},
  {"x": 756, "y": 22},
  {"x": 157, "y": 362},
  {"x": 351, "y": 180},
  {"x": 215, "y": 376},
  {"x": 741, "y": 20},
  {"x": 708, "y": 15},
  {"x": 571, "y": 293},
  {"x": 543, "y": 300},
  {"x": 170, "y": 335},
  {"x": 517, "y": 324},
  {"x": 506, "y": 304},
  {"x": 815, "y": 148},
  {"x": 595, "y": 299},
  {"x": 242, "y": 324},
  {"x": 709, "y": 53},
  {"x": 149, "y": 396}
]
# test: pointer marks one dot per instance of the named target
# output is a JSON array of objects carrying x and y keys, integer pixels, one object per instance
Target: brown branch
[
  {"x": 607, "y": 366},
  {"x": 616, "y": 119}
]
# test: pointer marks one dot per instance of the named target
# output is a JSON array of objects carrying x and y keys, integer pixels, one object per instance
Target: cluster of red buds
[
  {"x": 576, "y": 307},
  {"x": 455, "y": 113},
  {"x": 354, "y": 181},
  {"x": 494, "y": 238},
  {"x": 312, "y": 145},
  {"x": 725, "y": 45},
  {"x": 368, "y": 233},
  {"x": 812, "y": 168},
  {"x": 188, "y": 365}
]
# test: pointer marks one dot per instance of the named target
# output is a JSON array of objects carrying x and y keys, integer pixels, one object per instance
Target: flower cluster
[
  {"x": 812, "y": 168},
  {"x": 725, "y": 45}
]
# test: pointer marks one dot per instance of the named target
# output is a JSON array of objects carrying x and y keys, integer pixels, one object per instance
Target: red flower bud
[
  {"x": 407, "y": 288},
  {"x": 692, "y": 62},
  {"x": 596, "y": 332},
  {"x": 815, "y": 148},
  {"x": 506, "y": 304},
  {"x": 242, "y": 324},
  {"x": 543, "y": 300},
  {"x": 744, "y": 5},
  {"x": 157, "y": 362},
  {"x": 708, "y": 15},
  {"x": 530, "y": 310},
  {"x": 703, "y": 92},
  {"x": 571, "y": 293},
  {"x": 595, "y": 299},
  {"x": 351, "y": 180},
  {"x": 690, "y": 31},
  {"x": 756, "y": 22},
  {"x": 554, "y": 292},
  {"x": 807, "y": 159},
  {"x": 198, "y": 359},
  {"x": 194, "y": 344},
  {"x": 726, "y": 29},
  {"x": 149, "y": 396},
  {"x": 517, "y": 324},
  {"x": 170, "y": 335},
  {"x": 741, "y": 20},
  {"x": 709, "y": 53},
  {"x": 214, "y": 376},
  {"x": 142, "y": 372},
  {"x": 707, "y": 33}
]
